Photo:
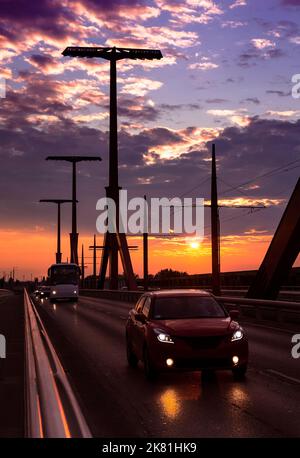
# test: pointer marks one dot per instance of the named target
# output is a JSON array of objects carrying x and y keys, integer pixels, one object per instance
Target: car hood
[{"x": 195, "y": 327}]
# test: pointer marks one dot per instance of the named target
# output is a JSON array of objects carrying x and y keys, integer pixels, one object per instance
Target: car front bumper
[{"x": 187, "y": 357}]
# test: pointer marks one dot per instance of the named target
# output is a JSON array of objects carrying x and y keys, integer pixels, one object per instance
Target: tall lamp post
[
  {"x": 74, "y": 234},
  {"x": 58, "y": 202},
  {"x": 114, "y": 242},
  {"x": 215, "y": 227}
]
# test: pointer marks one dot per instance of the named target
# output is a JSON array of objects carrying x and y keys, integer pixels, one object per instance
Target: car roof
[{"x": 178, "y": 292}]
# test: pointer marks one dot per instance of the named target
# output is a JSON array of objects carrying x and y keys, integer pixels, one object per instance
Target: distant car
[
  {"x": 185, "y": 330},
  {"x": 44, "y": 291}
]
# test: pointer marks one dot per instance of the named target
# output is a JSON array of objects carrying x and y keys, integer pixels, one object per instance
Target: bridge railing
[
  {"x": 115, "y": 295},
  {"x": 264, "y": 310},
  {"x": 257, "y": 309},
  {"x": 52, "y": 409}
]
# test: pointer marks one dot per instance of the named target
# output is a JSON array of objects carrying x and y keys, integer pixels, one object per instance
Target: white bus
[{"x": 63, "y": 280}]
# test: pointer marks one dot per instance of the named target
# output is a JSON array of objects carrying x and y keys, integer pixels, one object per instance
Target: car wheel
[
  {"x": 149, "y": 370},
  {"x": 239, "y": 372},
  {"x": 131, "y": 357}
]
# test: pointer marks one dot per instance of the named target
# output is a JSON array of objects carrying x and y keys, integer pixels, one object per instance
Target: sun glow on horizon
[{"x": 195, "y": 245}]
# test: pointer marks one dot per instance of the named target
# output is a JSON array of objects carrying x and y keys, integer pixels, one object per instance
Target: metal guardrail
[
  {"x": 52, "y": 410},
  {"x": 262, "y": 310},
  {"x": 115, "y": 295},
  {"x": 258, "y": 309}
]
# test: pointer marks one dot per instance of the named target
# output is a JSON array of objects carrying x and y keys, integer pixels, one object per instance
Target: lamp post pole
[
  {"x": 215, "y": 228},
  {"x": 58, "y": 202},
  {"x": 114, "y": 242},
  {"x": 145, "y": 247},
  {"x": 74, "y": 234}
]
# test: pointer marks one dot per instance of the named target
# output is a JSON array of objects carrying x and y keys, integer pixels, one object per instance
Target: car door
[
  {"x": 133, "y": 331},
  {"x": 141, "y": 327}
]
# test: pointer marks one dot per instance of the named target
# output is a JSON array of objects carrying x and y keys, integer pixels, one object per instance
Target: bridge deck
[{"x": 117, "y": 401}]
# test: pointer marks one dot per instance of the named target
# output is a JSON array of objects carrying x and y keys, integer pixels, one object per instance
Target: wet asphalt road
[{"x": 119, "y": 402}]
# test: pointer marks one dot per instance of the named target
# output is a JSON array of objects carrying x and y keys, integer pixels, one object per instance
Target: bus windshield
[{"x": 64, "y": 275}]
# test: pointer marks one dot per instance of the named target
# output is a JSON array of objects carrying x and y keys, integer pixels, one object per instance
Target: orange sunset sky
[{"x": 33, "y": 252}]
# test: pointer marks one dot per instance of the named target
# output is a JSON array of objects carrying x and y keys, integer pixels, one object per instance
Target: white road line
[{"x": 287, "y": 377}]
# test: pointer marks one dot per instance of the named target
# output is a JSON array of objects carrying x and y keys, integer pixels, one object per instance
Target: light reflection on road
[{"x": 170, "y": 403}]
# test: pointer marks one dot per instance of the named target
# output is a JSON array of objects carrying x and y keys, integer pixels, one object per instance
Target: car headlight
[
  {"x": 237, "y": 335},
  {"x": 54, "y": 292},
  {"x": 75, "y": 292},
  {"x": 163, "y": 336}
]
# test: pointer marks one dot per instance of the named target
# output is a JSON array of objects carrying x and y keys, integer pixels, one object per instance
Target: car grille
[{"x": 203, "y": 342}]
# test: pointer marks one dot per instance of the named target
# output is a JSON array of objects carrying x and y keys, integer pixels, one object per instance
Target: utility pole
[
  {"x": 82, "y": 266},
  {"x": 13, "y": 274},
  {"x": 145, "y": 248},
  {"x": 215, "y": 228},
  {"x": 58, "y": 202},
  {"x": 95, "y": 259},
  {"x": 74, "y": 234},
  {"x": 114, "y": 242},
  {"x": 215, "y": 225},
  {"x": 94, "y": 248}
]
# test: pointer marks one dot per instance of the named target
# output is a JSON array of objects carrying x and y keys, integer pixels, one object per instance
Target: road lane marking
[{"x": 280, "y": 374}]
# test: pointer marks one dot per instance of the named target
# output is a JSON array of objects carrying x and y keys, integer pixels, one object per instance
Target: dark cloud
[
  {"x": 253, "y": 56},
  {"x": 30, "y": 10},
  {"x": 136, "y": 109},
  {"x": 213, "y": 101},
  {"x": 279, "y": 93},
  {"x": 18, "y": 17},
  {"x": 21, "y": 19},
  {"x": 285, "y": 28},
  {"x": 39, "y": 98},
  {"x": 28, "y": 136},
  {"x": 184, "y": 106},
  {"x": 290, "y": 2},
  {"x": 254, "y": 100},
  {"x": 42, "y": 60},
  {"x": 113, "y": 4}
]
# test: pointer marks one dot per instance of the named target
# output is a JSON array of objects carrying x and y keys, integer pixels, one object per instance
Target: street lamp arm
[{"x": 73, "y": 158}]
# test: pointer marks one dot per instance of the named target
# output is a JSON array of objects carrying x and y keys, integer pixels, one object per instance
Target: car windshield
[{"x": 182, "y": 307}]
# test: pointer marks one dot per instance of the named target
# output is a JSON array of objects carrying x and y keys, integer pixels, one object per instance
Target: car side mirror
[
  {"x": 234, "y": 314},
  {"x": 140, "y": 317}
]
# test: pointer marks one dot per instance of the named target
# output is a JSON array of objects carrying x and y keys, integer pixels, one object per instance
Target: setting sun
[{"x": 194, "y": 245}]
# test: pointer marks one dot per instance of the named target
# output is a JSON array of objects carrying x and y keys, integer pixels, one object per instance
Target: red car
[{"x": 185, "y": 329}]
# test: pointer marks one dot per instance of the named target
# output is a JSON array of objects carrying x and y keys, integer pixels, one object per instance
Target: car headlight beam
[
  {"x": 163, "y": 336},
  {"x": 237, "y": 335}
]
